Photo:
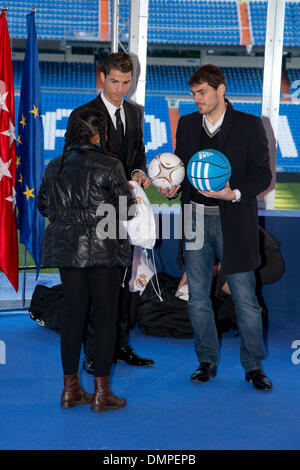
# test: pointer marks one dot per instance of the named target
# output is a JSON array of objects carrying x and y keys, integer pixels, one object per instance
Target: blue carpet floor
[{"x": 165, "y": 410}]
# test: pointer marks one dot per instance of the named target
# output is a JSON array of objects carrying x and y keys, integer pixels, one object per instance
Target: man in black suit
[
  {"x": 125, "y": 139},
  {"x": 228, "y": 222}
]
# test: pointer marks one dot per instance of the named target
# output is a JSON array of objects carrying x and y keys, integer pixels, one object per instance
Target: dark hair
[
  {"x": 120, "y": 61},
  {"x": 210, "y": 74},
  {"x": 82, "y": 127}
]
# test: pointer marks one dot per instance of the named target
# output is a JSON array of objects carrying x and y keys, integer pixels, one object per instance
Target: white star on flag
[
  {"x": 10, "y": 133},
  {"x": 3, "y": 96},
  {"x": 4, "y": 171},
  {"x": 12, "y": 198}
]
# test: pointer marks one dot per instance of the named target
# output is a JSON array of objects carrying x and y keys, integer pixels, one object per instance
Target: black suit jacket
[
  {"x": 133, "y": 153},
  {"x": 244, "y": 142}
]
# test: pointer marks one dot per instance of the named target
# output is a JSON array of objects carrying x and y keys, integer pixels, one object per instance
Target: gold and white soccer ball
[{"x": 166, "y": 170}]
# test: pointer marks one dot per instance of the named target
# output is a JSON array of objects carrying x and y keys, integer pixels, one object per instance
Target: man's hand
[
  {"x": 226, "y": 194},
  {"x": 141, "y": 179},
  {"x": 169, "y": 193}
]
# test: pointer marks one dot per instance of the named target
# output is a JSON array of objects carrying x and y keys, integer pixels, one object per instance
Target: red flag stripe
[{"x": 8, "y": 226}]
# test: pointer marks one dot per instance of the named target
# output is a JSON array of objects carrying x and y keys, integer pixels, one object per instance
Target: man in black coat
[
  {"x": 125, "y": 140},
  {"x": 228, "y": 222}
]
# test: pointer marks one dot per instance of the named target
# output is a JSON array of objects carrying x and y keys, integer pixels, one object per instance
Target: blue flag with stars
[{"x": 30, "y": 150}]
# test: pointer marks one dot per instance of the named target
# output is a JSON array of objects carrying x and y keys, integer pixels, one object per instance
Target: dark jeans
[
  {"x": 83, "y": 286},
  {"x": 199, "y": 263}
]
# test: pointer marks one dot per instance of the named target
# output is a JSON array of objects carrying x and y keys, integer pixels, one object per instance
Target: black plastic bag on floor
[
  {"x": 47, "y": 306},
  {"x": 163, "y": 318},
  {"x": 170, "y": 317}
]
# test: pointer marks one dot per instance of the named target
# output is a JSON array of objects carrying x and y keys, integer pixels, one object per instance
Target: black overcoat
[{"x": 243, "y": 140}]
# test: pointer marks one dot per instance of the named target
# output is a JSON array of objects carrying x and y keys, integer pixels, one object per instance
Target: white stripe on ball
[
  {"x": 206, "y": 176},
  {"x": 193, "y": 173},
  {"x": 200, "y": 184}
]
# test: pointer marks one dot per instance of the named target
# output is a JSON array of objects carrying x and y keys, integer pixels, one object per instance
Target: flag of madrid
[{"x": 8, "y": 226}]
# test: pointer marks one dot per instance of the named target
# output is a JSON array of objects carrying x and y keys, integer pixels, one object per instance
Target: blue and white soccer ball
[{"x": 209, "y": 170}]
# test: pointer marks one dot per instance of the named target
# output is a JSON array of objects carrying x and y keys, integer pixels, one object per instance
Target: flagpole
[{"x": 24, "y": 276}]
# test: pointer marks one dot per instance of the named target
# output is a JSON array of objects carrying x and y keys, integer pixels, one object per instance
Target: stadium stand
[
  {"x": 201, "y": 22},
  {"x": 65, "y": 85},
  {"x": 161, "y": 79},
  {"x": 294, "y": 82},
  {"x": 190, "y": 22},
  {"x": 157, "y": 132},
  {"x": 56, "y": 108},
  {"x": 241, "y": 81},
  {"x": 58, "y": 19},
  {"x": 76, "y": 76},
  {"x": 258, "y": 13},
  {"x": 288, "y": 149},
  {"x": 166, "y": 18}
]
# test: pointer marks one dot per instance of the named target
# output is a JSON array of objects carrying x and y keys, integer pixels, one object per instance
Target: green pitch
[{"x": 287, "y": 196}]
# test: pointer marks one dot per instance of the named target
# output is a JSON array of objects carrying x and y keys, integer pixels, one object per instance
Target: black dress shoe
[
  {"x": 205, "y": 372},
  {"x": 259, "y": 379},
  {"x": 89, "y": 365},
  {"x": 127, "y": 354}
]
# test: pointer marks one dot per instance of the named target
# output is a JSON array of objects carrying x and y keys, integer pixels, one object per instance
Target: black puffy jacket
[{"x": 89, "y": 180}]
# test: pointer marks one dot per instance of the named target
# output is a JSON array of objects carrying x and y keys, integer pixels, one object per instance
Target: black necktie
[{"x": 120, "y": 126}]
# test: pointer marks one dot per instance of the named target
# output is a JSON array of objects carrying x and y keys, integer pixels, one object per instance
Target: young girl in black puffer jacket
[{"x": 80, "y": 195}]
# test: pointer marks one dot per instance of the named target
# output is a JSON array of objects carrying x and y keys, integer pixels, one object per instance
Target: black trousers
[
  {"x": 83, "y": 287},
  {"x": 123, "y": 322}
]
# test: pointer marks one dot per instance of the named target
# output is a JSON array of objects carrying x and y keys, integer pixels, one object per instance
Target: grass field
[{"x": 287, "y": 197}]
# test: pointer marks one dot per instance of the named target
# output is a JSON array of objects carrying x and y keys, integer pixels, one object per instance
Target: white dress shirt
[{"x": 111, "y": 108}]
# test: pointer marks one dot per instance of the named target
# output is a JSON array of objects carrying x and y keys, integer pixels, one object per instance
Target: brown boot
[
  {"x": 73, "y": 394},
  {"x": 103, "y": 397}
]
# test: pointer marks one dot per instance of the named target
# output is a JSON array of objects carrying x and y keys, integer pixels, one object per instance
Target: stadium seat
[
  {"x": 55, "y": 19},
  {"x": 288, "y": 148}
]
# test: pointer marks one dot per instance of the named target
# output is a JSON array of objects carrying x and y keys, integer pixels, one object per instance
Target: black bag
[
  {"x": 47, "y": 306},
  {"x": 170, "y": 317},
  {"x": 223, "y": 307},
  {"x": 271, "y": 270},
  {"x": 272, "y": 266},
  {"x": 167, "y": 318}
]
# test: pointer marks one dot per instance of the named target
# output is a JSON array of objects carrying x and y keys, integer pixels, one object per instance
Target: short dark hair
[
  {"x": 120, "y": 61},
  {"x": 210, "y": 74}
]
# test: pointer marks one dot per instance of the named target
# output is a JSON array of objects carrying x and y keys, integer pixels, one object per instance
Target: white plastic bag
[{"x": 141, "y": 229}]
